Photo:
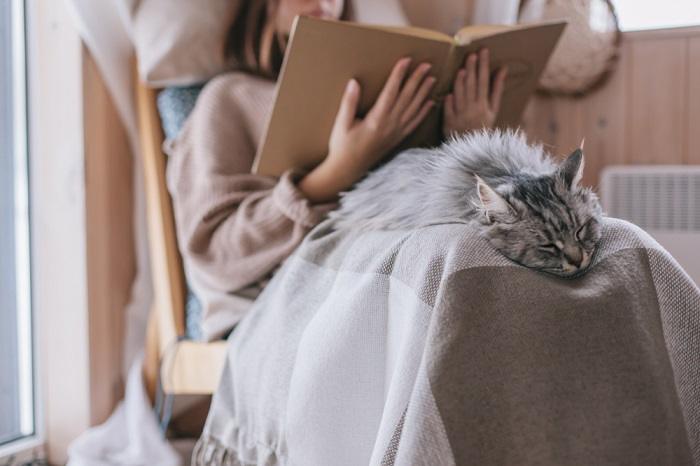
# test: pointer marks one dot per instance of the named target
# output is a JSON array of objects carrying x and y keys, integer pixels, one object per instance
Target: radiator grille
[{"x": 655, "y": 198}]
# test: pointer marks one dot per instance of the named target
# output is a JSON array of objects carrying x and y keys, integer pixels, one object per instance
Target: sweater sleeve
[{"x": 234, "y": 227}]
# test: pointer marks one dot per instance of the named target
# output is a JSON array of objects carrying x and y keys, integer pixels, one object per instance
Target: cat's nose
[{"x": 574, "y": 256}]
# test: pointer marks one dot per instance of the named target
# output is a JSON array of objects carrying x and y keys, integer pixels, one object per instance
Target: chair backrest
[{"x": 166, "y": 264}]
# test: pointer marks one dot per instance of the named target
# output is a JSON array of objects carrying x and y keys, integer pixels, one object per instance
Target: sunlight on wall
[{"x": 654, "y": 14}]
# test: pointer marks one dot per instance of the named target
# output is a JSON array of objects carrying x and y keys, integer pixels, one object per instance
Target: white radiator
[{"x": 664, "y": 200}]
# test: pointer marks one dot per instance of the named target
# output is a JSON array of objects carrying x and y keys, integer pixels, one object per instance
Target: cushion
[
  {"x": 174, "y": 106},
  {"x": 179, "y": 42}
]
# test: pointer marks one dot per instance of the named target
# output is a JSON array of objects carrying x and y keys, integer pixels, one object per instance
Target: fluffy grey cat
[{"x": 528, "y": 207}]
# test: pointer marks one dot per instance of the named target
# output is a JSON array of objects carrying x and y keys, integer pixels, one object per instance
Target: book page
[
  {"x": 469, "y": 33},
  {"x": 414, "y": 31}
]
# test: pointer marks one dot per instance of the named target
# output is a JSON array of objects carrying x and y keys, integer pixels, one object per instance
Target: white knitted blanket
[{"x": 427, "y": 347}]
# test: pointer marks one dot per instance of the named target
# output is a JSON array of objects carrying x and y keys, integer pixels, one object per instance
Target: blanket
[{"x": 428, "y": 347}]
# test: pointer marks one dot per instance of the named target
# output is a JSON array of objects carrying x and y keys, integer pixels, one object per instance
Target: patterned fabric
[
  {"x": 174, "y": 106},
  {"x": 427, "y": 347}
]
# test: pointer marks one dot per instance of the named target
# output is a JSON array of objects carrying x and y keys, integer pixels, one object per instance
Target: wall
[
  {"x": 648, "y": 113},
  {"x": 111, "y": 263},
  {"x": 57, "y": 210},
  {"x": 444, "y": 15}
]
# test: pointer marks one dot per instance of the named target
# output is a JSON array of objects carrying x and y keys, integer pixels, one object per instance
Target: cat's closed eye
[
  {"x": 549, "y": 247},
  {"x": 581, "y": 232}
]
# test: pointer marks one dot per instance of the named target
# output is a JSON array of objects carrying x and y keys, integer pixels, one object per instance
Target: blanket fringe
[{"x": 210, "y": 452}]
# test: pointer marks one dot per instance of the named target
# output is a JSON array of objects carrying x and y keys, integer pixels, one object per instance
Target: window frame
[
  {"x": 55, "y": 90},
  {"x": 27, "y": 351},
  {"x": 627, "y": 26}
]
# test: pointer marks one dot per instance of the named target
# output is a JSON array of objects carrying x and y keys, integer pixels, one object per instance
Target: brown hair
[{"x": 253, "y": 44}]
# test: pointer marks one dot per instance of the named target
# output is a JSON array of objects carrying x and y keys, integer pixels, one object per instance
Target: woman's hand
[
  {"x": 356, "y": 145},
  {"x": 471, "y": 105}
]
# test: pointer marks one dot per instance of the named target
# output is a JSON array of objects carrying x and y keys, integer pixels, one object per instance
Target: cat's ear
[
  {"x": 491, "y": 201},
  {"x": 571, "y": 169}
]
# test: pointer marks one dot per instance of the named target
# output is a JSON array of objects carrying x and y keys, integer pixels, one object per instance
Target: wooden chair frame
[{"x": 182, "y": 366}]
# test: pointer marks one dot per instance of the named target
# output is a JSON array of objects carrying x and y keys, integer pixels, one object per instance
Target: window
[
  {"x": 652, "y": 14},
  {"x": 17, "y": 417}
]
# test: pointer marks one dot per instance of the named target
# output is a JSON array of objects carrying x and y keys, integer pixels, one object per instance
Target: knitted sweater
[{"x": 234, "y": 228}]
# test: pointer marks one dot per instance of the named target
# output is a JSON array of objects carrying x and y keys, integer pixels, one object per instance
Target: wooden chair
[{"x": 182, "y": 366}]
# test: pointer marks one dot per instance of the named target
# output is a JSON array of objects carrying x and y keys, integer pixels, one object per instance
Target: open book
[{"x": 323, "y": 55}]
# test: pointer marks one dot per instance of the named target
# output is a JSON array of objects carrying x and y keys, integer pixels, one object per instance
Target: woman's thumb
[{"x": 348, "y": 105}]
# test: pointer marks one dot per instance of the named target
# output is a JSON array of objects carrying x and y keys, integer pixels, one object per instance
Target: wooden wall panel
[
  {"x": 693, "y": 123},
  {"x": 604, "y": 122},
  {"x": 555, "y": 122},
  {"x": 110, "y": 239},
  {"x": 568, "y": 115},
  {"x": 538, "y": 121},
  {"x": 647, "y": 113},
  {"x": 656, "y": 107}
]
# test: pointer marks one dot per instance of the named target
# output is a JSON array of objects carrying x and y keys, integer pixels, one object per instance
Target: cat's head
[{"x": 549, "y": 222}]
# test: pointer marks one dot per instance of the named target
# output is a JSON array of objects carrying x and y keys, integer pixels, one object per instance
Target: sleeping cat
[{"x": 528, "y": 207}]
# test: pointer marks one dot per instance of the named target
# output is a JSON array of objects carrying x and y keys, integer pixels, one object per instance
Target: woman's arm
[{"x": 232, "y": 226}]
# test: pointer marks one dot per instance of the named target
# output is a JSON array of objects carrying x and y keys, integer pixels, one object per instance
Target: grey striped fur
[{"x": 530, "y": 208}]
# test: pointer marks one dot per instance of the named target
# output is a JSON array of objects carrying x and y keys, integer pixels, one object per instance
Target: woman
[{"x": 235, "y": 228}]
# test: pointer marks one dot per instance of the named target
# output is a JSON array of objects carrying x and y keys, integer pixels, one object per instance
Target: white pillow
[{"x": 181, "y": 42}]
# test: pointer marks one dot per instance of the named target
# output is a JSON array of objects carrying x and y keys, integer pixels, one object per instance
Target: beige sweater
[{"x": 233, "y": 228}]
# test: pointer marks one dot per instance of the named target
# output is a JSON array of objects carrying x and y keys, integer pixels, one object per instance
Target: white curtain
[
  {"x": 104, "y": 27},
  {"x": 131, "y": 436}
]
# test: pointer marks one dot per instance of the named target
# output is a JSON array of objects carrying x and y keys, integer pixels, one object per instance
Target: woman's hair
[{"x": 253, "y": 43}]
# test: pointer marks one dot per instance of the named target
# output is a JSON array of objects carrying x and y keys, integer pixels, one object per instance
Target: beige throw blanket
[{"x": 427, "y": 347}]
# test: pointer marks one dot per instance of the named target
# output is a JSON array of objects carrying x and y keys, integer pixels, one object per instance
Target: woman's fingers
[
  {"x": 483, "y": 89},
  {"x": 449, "y": 104},
  {"x": 348, "y": 105},
  {"x": 470, "y": 94},
  {"x": 417, "y": 119},
  {"x": 403, "y": 104},
  {"x": 410, "y": 88},
  {"x": 498, "y": 87},
  {"x": 459, "y": 89},
  {"x": 390, "y": 91},
  {"x": 449, "y": 114},
  {"x": 418, "y": 99},
  {"x": 449, "y": 111}
]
